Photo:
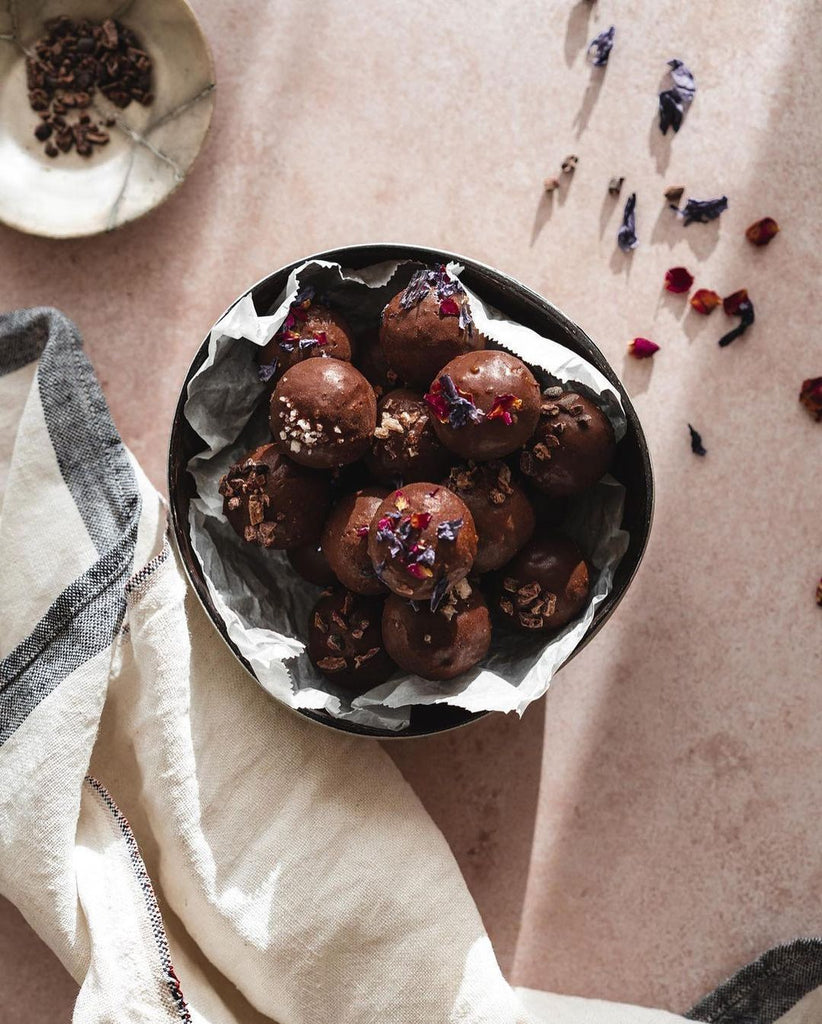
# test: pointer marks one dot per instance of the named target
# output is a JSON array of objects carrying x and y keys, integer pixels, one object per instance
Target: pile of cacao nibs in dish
[{"x": 70, "y": 63}]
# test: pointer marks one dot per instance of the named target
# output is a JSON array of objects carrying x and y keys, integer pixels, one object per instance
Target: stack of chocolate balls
[{"x": 422, "y": 489}]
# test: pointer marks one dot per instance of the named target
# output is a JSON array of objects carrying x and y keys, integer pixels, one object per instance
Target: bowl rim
[{"x": 424, "y": 254}]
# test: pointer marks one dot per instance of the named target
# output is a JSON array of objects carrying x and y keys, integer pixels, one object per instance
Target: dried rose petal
[
  {"x": 678, "y": 280},
  {"x": 502, "y": 408},
  {"x": 419, "y": 520},
  {"x": 819, "y": 593},
  {"x": 362, "y": 531},
  {"x": 810, "y": 396},
  {"x": 642, "y": 348},
  {"x": 420, "y": 572},
  {"x": 705, "y": 301},
  {"x": 452, "y": 405},
  {"x": 449, "y": 307},
  {"x": 732, "y": 303},
  {"x": 696, "y": 442},
  {"x": 321, "y": 338},
  {"x": 762, "y": 231}
]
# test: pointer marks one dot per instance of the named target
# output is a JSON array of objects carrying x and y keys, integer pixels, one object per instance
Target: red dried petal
[
  {"x": 705, "y": 301},
  {"x": 449, "y": 307},
  {"x": 299, "y": 313},
  {"x": 819, "y": 593},
  {"x": 732, "y": 303},
  {"x": 503, "y": 407},
  {"x": 321, "y": 338},
  {"x": 419, "y": 520},
  {"x": 436, "y": 402},
  {"x": 385, "y": 523},
  {"x": 421, "y": 572},
  {"x": 642, "y": 348},
  {"x": 810, "y": 395},
  {"x": 762, "y": 231},
  {"x": 678, "y": 280},
  {"x": 362, "y": 531}
]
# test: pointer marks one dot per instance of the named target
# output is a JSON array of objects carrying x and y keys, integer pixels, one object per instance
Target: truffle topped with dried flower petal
[
  {"x": 345, "y": 640},
  {"x": 503, "y": 515},
  {"x": 485, "y": 404},
  {"x": 572, "y": 446},
  {"x": 323, "y": 413},
  {"x": 405, "y": 448},
  {"x": 422, "y": 540},
  {"x": 544, "y": 586},
  {"x": 438, "y": 644},
  {"x": 427, "y": 324},
  {"x": 345, "y": 540},
  {"x": 273, "y": 502},
  {"x": 309, "y": 330}
]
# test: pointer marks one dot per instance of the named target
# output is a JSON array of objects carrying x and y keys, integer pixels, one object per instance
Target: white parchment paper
[{"x": 265, "y": 605}]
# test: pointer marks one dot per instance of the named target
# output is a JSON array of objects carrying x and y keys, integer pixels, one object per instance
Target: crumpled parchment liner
[{"x": 265, "y": 605}]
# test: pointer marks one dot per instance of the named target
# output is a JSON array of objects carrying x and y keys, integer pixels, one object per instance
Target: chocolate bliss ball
[
  {"x": 323, "y": 413},
  {"x": 309, "y": 330},
  {"x": 485, "y": 404},
  {"x": 345, "y": 540},
  {"x": 544, "y": 586},
  {"x": 422, "y": 541},
  {"x": 438, "y": 644},
  {"x": 273, "y": 502},
  {"x": 345, "y": 640},
  {"x": 427, "y": 324},
  {"x": 502, "y": 514},
  {"x": 572, "y": 446},
  {"x": 405, "y": 448},
  {"x": 372, "y": 365}
]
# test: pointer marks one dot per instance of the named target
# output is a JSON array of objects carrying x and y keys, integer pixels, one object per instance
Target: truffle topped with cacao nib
[
  {"x": 345, "y": 640},
  {"x": 438, "y": 644},
  {"x": 323, "y": 413},
  {"x": 503, "y": 515},
  {"x": 426, "y": 325},
  {"x": 273, "y": 502},
  {"x": 422, "y": 541},
  {"x": 345, "y": 540},
  {"x": 309, "y": 330},
  {"x": 572, "y": 446},
  {"x": 545, "y": 585},
  {"x": 405, "y": 448},
  {"x": 485, "y": 404}
]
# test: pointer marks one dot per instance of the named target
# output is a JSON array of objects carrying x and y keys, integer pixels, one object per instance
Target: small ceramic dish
[
  {"x": 631, "y": 467},
  {"x": 151, "y": 148}
]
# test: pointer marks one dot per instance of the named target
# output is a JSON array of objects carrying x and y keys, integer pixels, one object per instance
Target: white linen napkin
[{"x": 191, "y": 850}]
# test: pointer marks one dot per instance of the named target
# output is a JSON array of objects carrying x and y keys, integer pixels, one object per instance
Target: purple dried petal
[
  {"x": 683, "y": 79},
  {"x": 696, "y": 442},
  {"x": 416, "y": 289},
  {"x": 426, "y": 556},
  {"x": 305, "y": 294},
  {"x": 626, "y": 236},
  {"x": 449, "y": 529},
  {"x": 599, "y": 49},
  {"x": 265, "y": 371},
  {"x": 701, "y": 211},
  {"x": 440, "y": 590},
  {"x": 674, "y": 102}
]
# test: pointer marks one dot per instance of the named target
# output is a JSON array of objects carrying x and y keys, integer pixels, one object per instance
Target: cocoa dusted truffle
[
  {"x": 438, "y": 644},
  {"x": 405, "y": 448},
  {"x": 309, "y": 562},
  {"x": 345, "y": 540},
  {"x": 503, "y": 515},
  {"x": 309, "y": 330},
  {"x": 572, "y": 446},
  {"x": 427, "y": 324},
  {"x": 323, "y": 413},
  {"x": 545, "y": 585},
  {"x": 345, "y": 640},
  {"x": 372, "y": 365},
  {"x": 422, "y": 541},
  {"x": 271, "y": 501},
  {"x": 485, "y": 404}
]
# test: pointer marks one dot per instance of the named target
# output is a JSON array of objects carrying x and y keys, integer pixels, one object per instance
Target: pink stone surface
[{"x": 654, "y": 823}]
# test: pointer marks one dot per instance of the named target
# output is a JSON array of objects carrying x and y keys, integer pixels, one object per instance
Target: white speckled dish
[{"x": 151, "y": 148}]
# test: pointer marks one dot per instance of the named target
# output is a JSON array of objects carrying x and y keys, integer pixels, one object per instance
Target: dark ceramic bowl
[{"x": 632, "y": 466}]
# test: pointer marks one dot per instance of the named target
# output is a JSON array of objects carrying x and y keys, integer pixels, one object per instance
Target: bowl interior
[
  {"x": 632, "y": 465},
  {"x": 151, "y": 148}
]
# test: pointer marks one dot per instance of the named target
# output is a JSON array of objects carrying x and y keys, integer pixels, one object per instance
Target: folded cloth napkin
[{"x": 189, "y": 849}]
